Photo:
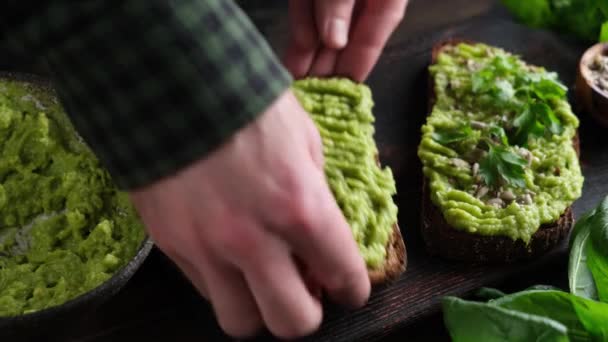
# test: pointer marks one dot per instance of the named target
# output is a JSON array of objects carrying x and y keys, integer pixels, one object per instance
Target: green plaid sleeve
[{"x": 151, "y": 85}]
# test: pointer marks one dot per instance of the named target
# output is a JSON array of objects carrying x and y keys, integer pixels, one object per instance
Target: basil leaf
[
  {"x": 584, "y": 318},
  {"x": 604, "y": 32},
  {"x": 599, "y": 227},
  {"x": 543, "y": 288},
  {"x": 536, "y": 13},
  {"x": 598, "y": 264},
  {"x": 489, "y": 293},
  {"x": 582, "y": 18},
  {"x": 473, "y": 321},
  {"x": 580, "y": 278},
  {"x": 448, "y": 137},
  {"x": 588, "y": 264},
  {"x": 580, "y": 224}
]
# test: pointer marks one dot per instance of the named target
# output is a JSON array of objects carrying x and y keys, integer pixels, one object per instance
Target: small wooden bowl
[{"x": 591, "y": 97}]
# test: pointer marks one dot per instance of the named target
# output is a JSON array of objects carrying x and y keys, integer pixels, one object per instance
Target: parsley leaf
[
  {"x": 502, "y": 163},
  {"x": 503, "y": 90},
  {"x": 452, "y": 136},
  {"x": 490, "y": 79},
  {"x": 535, "y": 120},
  {"x": 481, "y": 81},
  {"x": 547, "y": 117},
  {"x": 546, "y": 89},
  {"x": 499, "y": 132},
  {"x": 488, "y": 168},
  {"x": 510, "y": 87}
]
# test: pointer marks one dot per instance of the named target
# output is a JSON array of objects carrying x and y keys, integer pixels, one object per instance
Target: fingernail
[{"x": 338, "y": 32}]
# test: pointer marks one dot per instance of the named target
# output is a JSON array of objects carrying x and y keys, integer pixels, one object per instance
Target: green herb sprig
[
  {"x": 528, "y": 96},
  {"x": 500, "y": 164}
]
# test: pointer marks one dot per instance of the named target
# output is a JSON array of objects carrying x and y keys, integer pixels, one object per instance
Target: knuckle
[
  {"x": 301, "y": 209},
  {"x": 237, "y": 239}
]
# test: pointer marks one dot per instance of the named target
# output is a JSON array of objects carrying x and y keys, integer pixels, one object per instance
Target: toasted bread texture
[
  {"x": 396, "y": 257},
  {"x": 444, "y": 241},
  {"x": 395, "y": 263}
]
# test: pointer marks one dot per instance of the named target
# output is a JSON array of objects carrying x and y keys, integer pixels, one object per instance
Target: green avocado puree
[
  {"x": 64, "y": 227},
  {"x": 553, "y": 178},
  {"x": 342, "y": 111}
]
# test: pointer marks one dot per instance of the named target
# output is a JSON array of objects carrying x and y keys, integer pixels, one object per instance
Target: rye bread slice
[
  {"x": 395, "y": 262},
  {"x": 443, "y": 240}
]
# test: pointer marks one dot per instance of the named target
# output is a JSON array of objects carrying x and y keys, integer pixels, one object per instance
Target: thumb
[{"x": 333, "y": 21}]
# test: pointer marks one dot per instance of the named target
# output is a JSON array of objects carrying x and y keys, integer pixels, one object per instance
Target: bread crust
[
  {"x": 395, "y": 262},
  {"x": 443, "y": 240}
]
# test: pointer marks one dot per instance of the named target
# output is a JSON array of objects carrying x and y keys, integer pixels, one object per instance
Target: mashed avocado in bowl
[{"x": 65, "y": 229}]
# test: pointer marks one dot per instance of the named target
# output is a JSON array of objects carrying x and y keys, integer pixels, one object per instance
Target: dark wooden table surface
[{"x": 158, "y": 304}]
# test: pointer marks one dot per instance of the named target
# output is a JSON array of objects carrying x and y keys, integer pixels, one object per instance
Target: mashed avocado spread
[
  {"x": 342, "y": 111},
  {"x": 64, "y": 227},
  {"x": 497, "y": 148}
]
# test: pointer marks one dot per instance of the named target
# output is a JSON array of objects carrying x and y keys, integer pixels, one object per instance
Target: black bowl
[
  {"x": 35, "y": 325},
  {"x": 32, "y": 326}
]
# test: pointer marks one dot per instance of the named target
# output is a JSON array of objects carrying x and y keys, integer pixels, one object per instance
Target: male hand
[
  {"x": 339, "y": 37},
  {"x": 244, "y": 222}
]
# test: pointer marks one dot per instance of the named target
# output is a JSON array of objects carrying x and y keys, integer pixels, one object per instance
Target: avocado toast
[
  {"x": 500, "y": 156},
  {"x": 342, "y": 111}
]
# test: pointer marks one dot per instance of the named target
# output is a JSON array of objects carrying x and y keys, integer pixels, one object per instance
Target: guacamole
[
  {"x": 64, "y": 227},
  {"x": 342, "y": 111},
  {"x": 497, "y": 148}
]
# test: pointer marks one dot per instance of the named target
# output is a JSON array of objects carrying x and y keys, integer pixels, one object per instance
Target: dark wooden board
[{"x": 160, "y": 305}]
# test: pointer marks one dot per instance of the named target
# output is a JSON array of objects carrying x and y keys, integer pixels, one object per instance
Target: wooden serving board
[{"x": 160, "y": 305}]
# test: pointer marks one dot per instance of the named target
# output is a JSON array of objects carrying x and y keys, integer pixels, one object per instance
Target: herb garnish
[
  {"x": 508, "y": 86},
  {"x": 499, "y": 164},
  {"x": 448, "y": 137},
  {"x": 502, "y": 163},
  {"x": 528, "y": 95}
]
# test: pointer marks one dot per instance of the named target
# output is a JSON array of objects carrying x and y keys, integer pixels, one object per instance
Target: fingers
[
  {"x": 232, "y": 301},
  {"x": 377, "y": 21},
  {"x": 333, "y": 21},
  {"x": 303, "y": 38},
  {"x": 192, "y": 273},
  {"x": 315, "y": 142},
  {"x": 324, "y": 63},
  {"x": 286, "y": 304},
  {"x": 323, "y": 241}
]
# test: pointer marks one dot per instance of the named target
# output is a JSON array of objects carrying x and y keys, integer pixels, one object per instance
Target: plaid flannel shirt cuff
[{"x": 155, "y": 85}]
